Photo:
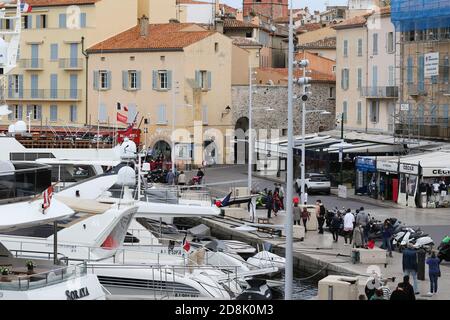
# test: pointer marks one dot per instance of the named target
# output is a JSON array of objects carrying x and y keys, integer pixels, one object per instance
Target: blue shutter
[
  {"x": 38, "y": 22},
  {"x": 39, "y": 113},
  {"x": 197, "y": 78},
  {"x": 125, "y": 80},
  {"x": 162, "y": 114},
  {"x": 433, "y": 114},
  {"x": 169, "y": 79},
  {"x": 155, "y": 80},
  {"x": 359, "y": 111},
  {"x": 421, "y": 73},
  {"x": 205, "y": 114},
  {"x": 10, "y": 86},
  {"x": 54, "y": 51},
  {"x": 445, "y": 116},
  {"x": 138, "y": 80},
  {"x": 53, "y": 86},
  {"x": 73, "y": 86},
  {"x": 410, "y": 70},
  {"x": 73, "y": 113},
  {"x": 102, "y": 113},
  {"x": 209, "y": 76},
  {"x": 96, "y": 79},
  {"x": 374, "y": 80},
  {"x": 62, "y": 20},
  {"x": 53, "y": 113},
  {"x": 74, "y": 55},
  {"x": 344, "y": 111},
  {"x": 132, "y": 111},
  {"x": 34, "y": 85},
  {"x": 20, "y": 112},
  {"x": 20, "y": 85},
  {"x": 29, "y": 21},
  {"x": 34, "y": 55},
  {"x": 446, "y": 70},
  {"x": 108, "y": 80},
  {"x": 375, "y": 43},
  {"x": 359, "y": 78},
  {"x": 83, "y": 20},
  {"x": 421, "y": 111}
]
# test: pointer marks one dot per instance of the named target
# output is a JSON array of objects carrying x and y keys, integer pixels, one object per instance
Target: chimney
[
  {"x": 174, "y": 20},
  {"x": 143, "y": 23},
  {"x": 219, "y": 25}
]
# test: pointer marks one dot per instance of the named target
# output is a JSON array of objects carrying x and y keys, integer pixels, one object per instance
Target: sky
[{"x": 312, "y": 4}]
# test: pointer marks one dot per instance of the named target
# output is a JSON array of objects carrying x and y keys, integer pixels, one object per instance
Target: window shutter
[
  {"x": 445, "y": 116},
  {"x": 54, "y": 51},
  {"x": 102, "y": 113},
  {"x": 205, "y": 114},
  {"x": 138, "y": 80},
  {"x": 20, "y": 109},
  {"x": 29, "y": 21},
  {"x": 108, "y": 80},
  {"x": 209, "y": 79},
  {"x": 38, "y": 22},
  {"x": 197, "y": 78},
  {"x": 83, "y": 20},
  {"x": 29, "y": 111},
  {"x": 53, "y": 113},
  {"x": 10, "y": 86},
  {"x": 53, "y": 86},
  {"x": 125, "y": 80},
  {"x": 410, "y": 70},
  {"x": 132, "y": 111},
  {"x": 96, "y": 79},
  {"x": 11, "y": 115},
  {"x": 62, "y": 20},
  {"x": 169, "y": 79},
  {"x": 155, "y": 80},
  {"x": 162, "y": 114},
  {"x": 39, "y": 112}
]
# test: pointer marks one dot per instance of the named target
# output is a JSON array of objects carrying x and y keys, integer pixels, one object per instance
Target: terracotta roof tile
[
  {"x": 353, "y": 22},
  {"x": 322, "y": 43},
  {"x": 233, "y": 23},
  {"x": 48, "y": 3},
  {"x": 315, "y": 75},
  {"x": 160, "y": 36},
  {"x": 242, "y": 41}
]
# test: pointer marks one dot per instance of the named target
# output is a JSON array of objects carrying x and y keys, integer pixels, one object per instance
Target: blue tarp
[{"x": 408, "y": 15}]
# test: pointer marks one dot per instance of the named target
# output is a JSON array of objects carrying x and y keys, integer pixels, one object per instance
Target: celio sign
[{"x": 434, "y": 172}]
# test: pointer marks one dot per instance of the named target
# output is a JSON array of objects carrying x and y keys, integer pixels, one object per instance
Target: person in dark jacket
[
  {"x": 387, "y": 232},
  {"x": 409, "y": 290},
  {"x": 269, "y": 204},
  {"x": 336, "y": 223},
  {"x": 399, "y": 293},
  {"x": 410, "y": 265},
  {"x": 434, "y": 272}
]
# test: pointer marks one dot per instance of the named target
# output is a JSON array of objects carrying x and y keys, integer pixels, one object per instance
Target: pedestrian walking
[
  {"x": 362, "y": 220},
  {"x": 349, "y": 219},
  {"x": 320, "y": 213},
  {"x": 410, "y": 265},
  {"x": 269, "y": 204},
  {"x": 305, "y": 215},
  {"x": 297, "y": 213},
  {"x": 182, "y": 179},
  {"x": 281, "y": 195},
  {"x": 408, "y": 288},
  {"x": 387, "y": 232},
  {"x": 276, "y": 202},
  {"x": 170, "y": 177},
  {"x": 336, "y": 224},
  {"x": 434, "y": 272}
]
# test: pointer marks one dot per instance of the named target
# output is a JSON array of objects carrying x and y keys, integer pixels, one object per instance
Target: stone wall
[{"x": 276, "y": 98}]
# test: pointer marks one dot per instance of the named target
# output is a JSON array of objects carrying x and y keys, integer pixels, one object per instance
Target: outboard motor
[{"x": 258, "y": 290}]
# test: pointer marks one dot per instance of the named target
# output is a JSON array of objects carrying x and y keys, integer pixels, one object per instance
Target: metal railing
[
  {"x": 71, "y": 64},
  {"x": 45, "y": 94},
  {"x": 417, "y": 89},
  {"x": 31, "y": 63},
  {"x": 380, "y": 92}
]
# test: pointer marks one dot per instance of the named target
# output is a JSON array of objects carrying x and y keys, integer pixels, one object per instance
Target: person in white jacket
[{"x": 349, "y": 220}]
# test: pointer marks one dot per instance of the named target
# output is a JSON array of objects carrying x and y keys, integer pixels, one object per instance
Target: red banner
[{"x": 122, "y": 118}]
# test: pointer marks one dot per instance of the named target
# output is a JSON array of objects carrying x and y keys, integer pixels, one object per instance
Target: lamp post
[
  {"x": 250, "y": 135},
  {"x": 174, "y": 93},
  {"x": 288, "y": 271}
]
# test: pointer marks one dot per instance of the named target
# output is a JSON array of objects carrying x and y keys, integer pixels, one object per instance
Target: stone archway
[
  {"x": 162, "y": 147},
  {"x": 240, "y": 137}
]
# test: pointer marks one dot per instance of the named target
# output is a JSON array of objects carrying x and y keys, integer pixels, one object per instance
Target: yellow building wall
[
  {"x": 158, "y": 11},
  {"x": 240, "y": 64}
]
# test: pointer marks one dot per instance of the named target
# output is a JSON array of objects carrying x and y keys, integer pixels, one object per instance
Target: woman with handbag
[{"x": 434, "y": 272}]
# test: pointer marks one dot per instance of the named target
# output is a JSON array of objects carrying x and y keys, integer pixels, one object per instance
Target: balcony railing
[
  {"x": 46, "y": 94},
  {"x": 380, "y": 92},
  {"x": 71, "y": 64},
  {"x": 31, "y": 64},
  {"x": 417, "y": 89}
]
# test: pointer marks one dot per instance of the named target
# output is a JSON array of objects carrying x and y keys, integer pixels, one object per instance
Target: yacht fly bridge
[{"x": 10, "y": 16}]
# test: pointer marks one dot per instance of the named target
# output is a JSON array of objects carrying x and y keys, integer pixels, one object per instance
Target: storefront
[
  {"x": 409, "y": 177},
  {"x": 431, "y": 189},
  {"x": 365, "y": 179},
  {"x": 388, "y": 180}
]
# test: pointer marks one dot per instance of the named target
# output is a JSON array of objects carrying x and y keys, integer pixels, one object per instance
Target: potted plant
[
  {"x": 4, "y": 271},
  {"x": 30, "y": 265}
]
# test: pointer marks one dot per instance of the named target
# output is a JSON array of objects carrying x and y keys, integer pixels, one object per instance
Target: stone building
[{"x": 268, "y": 8}]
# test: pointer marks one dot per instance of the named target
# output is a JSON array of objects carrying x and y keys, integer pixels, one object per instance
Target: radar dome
[
  {"x": 128, "y": 149},
  {"x": 11, "y": 128},
  {"x": 126, "y": 177},
  {"x": 20, "y": 126}
]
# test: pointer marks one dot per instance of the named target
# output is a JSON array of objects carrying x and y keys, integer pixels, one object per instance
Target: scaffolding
[{"x": 422, "y": 111}]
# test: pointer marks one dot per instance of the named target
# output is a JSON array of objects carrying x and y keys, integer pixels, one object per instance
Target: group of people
[
  {"x": 355, "y": 227},
  {"x": 274, "y": 200},
  {"x": 180, "y": 178}
]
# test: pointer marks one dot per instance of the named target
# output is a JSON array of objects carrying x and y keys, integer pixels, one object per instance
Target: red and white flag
[
  {"x": 47, "y": 194},
  {"x": 122, "y": 118},
  {"x": 25, "y": 7},
  {"x": 186, "y": 245}
]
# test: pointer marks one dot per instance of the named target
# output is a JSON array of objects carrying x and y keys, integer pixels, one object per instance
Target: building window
[
  {"x": 41, "y": 21},
  {"x": 73, "y": 113},
  {"x": 375, "y": 44},
  {"x": 434, "y": 114},
  {"x": 203, "y": 79},
  {"x": 132, "y": 78},
  {"x": 216, "y": 47},
  {"x": 390, "y": 42},
  {"x": 26, "y": 22},
  {"x": 17, "y": 112},
  {"x": 345, "y": 79},
  {"x": 104, "y": 81},
  {"x": 359, "y": 112},
  {"x": 444, "y": 122},
  {"x": 53, "y": 113},
  {"x": 334, "y": 69},
  {"x": 163, "y": 80},
  {"x": 345, "y": 48},
  {"x": 62, "y": 20},
  {"x": 331, "y": 91},
  {"x": 360, "y": 47},
  {"x": 421, "y": 73},
  {"x": 35, "y": 112},
  {"x": 445, "y": 70},
  {"x": 248, "y": 34},
  {"x": 54, "y": 51},
  {"x": 374, "y": 111},
  {"x": 16, "y": 84},
  {"x": 391, "y": 76},
  {"x": 359, "y": 78},
  {"x": 161, "y": 115}
]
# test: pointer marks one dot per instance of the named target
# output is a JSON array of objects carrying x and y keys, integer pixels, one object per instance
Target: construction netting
[{"x": 408, "y": 15}]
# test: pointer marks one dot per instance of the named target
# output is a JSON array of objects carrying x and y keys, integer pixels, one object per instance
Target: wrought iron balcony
[
  {"x": 71, "y": 64},
  {"x": 46, "y": 95},
  {"x": 390, "y": 92},
  {"x": 31, "y": 64}
]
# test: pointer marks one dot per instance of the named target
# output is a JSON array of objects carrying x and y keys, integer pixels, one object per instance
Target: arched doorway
[
  {"x": 162, "y": 148},
  {"x": 240, "y": 137}
]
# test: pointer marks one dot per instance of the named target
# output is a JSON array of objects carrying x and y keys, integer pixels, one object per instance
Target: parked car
[{"x": 314, "y": 182}]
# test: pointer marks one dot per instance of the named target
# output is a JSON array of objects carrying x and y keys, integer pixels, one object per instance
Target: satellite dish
[
  {"x": 128, "y": 149},
  {"x": 20, "y": 127}
]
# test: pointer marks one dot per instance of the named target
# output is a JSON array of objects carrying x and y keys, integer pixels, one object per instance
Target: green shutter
[
  {"x": 96, "y": 79},
  {"x": 209, "y": 79},
  {"x": 125, "y": 80},
  {"x": 155, "y": 80},
  {"x": 169, "y": 79}
]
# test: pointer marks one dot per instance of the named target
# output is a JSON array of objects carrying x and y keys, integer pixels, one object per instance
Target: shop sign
[
  {"x": 387, "y": 166},
  {"x": 365, "y": 164},
  {"x": 431, "y": 64},
  {"x": 409, "y": 168},
  {"x": 435, "y": 172}
]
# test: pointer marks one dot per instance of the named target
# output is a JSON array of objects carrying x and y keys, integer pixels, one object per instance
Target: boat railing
[{"x": 24, "y": 282}]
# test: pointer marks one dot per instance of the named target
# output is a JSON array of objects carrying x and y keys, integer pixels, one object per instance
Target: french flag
[{"x": 25, "y": 7}]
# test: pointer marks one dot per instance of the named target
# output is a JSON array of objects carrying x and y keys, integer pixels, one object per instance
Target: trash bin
[{"x": 421, "y": 255}]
